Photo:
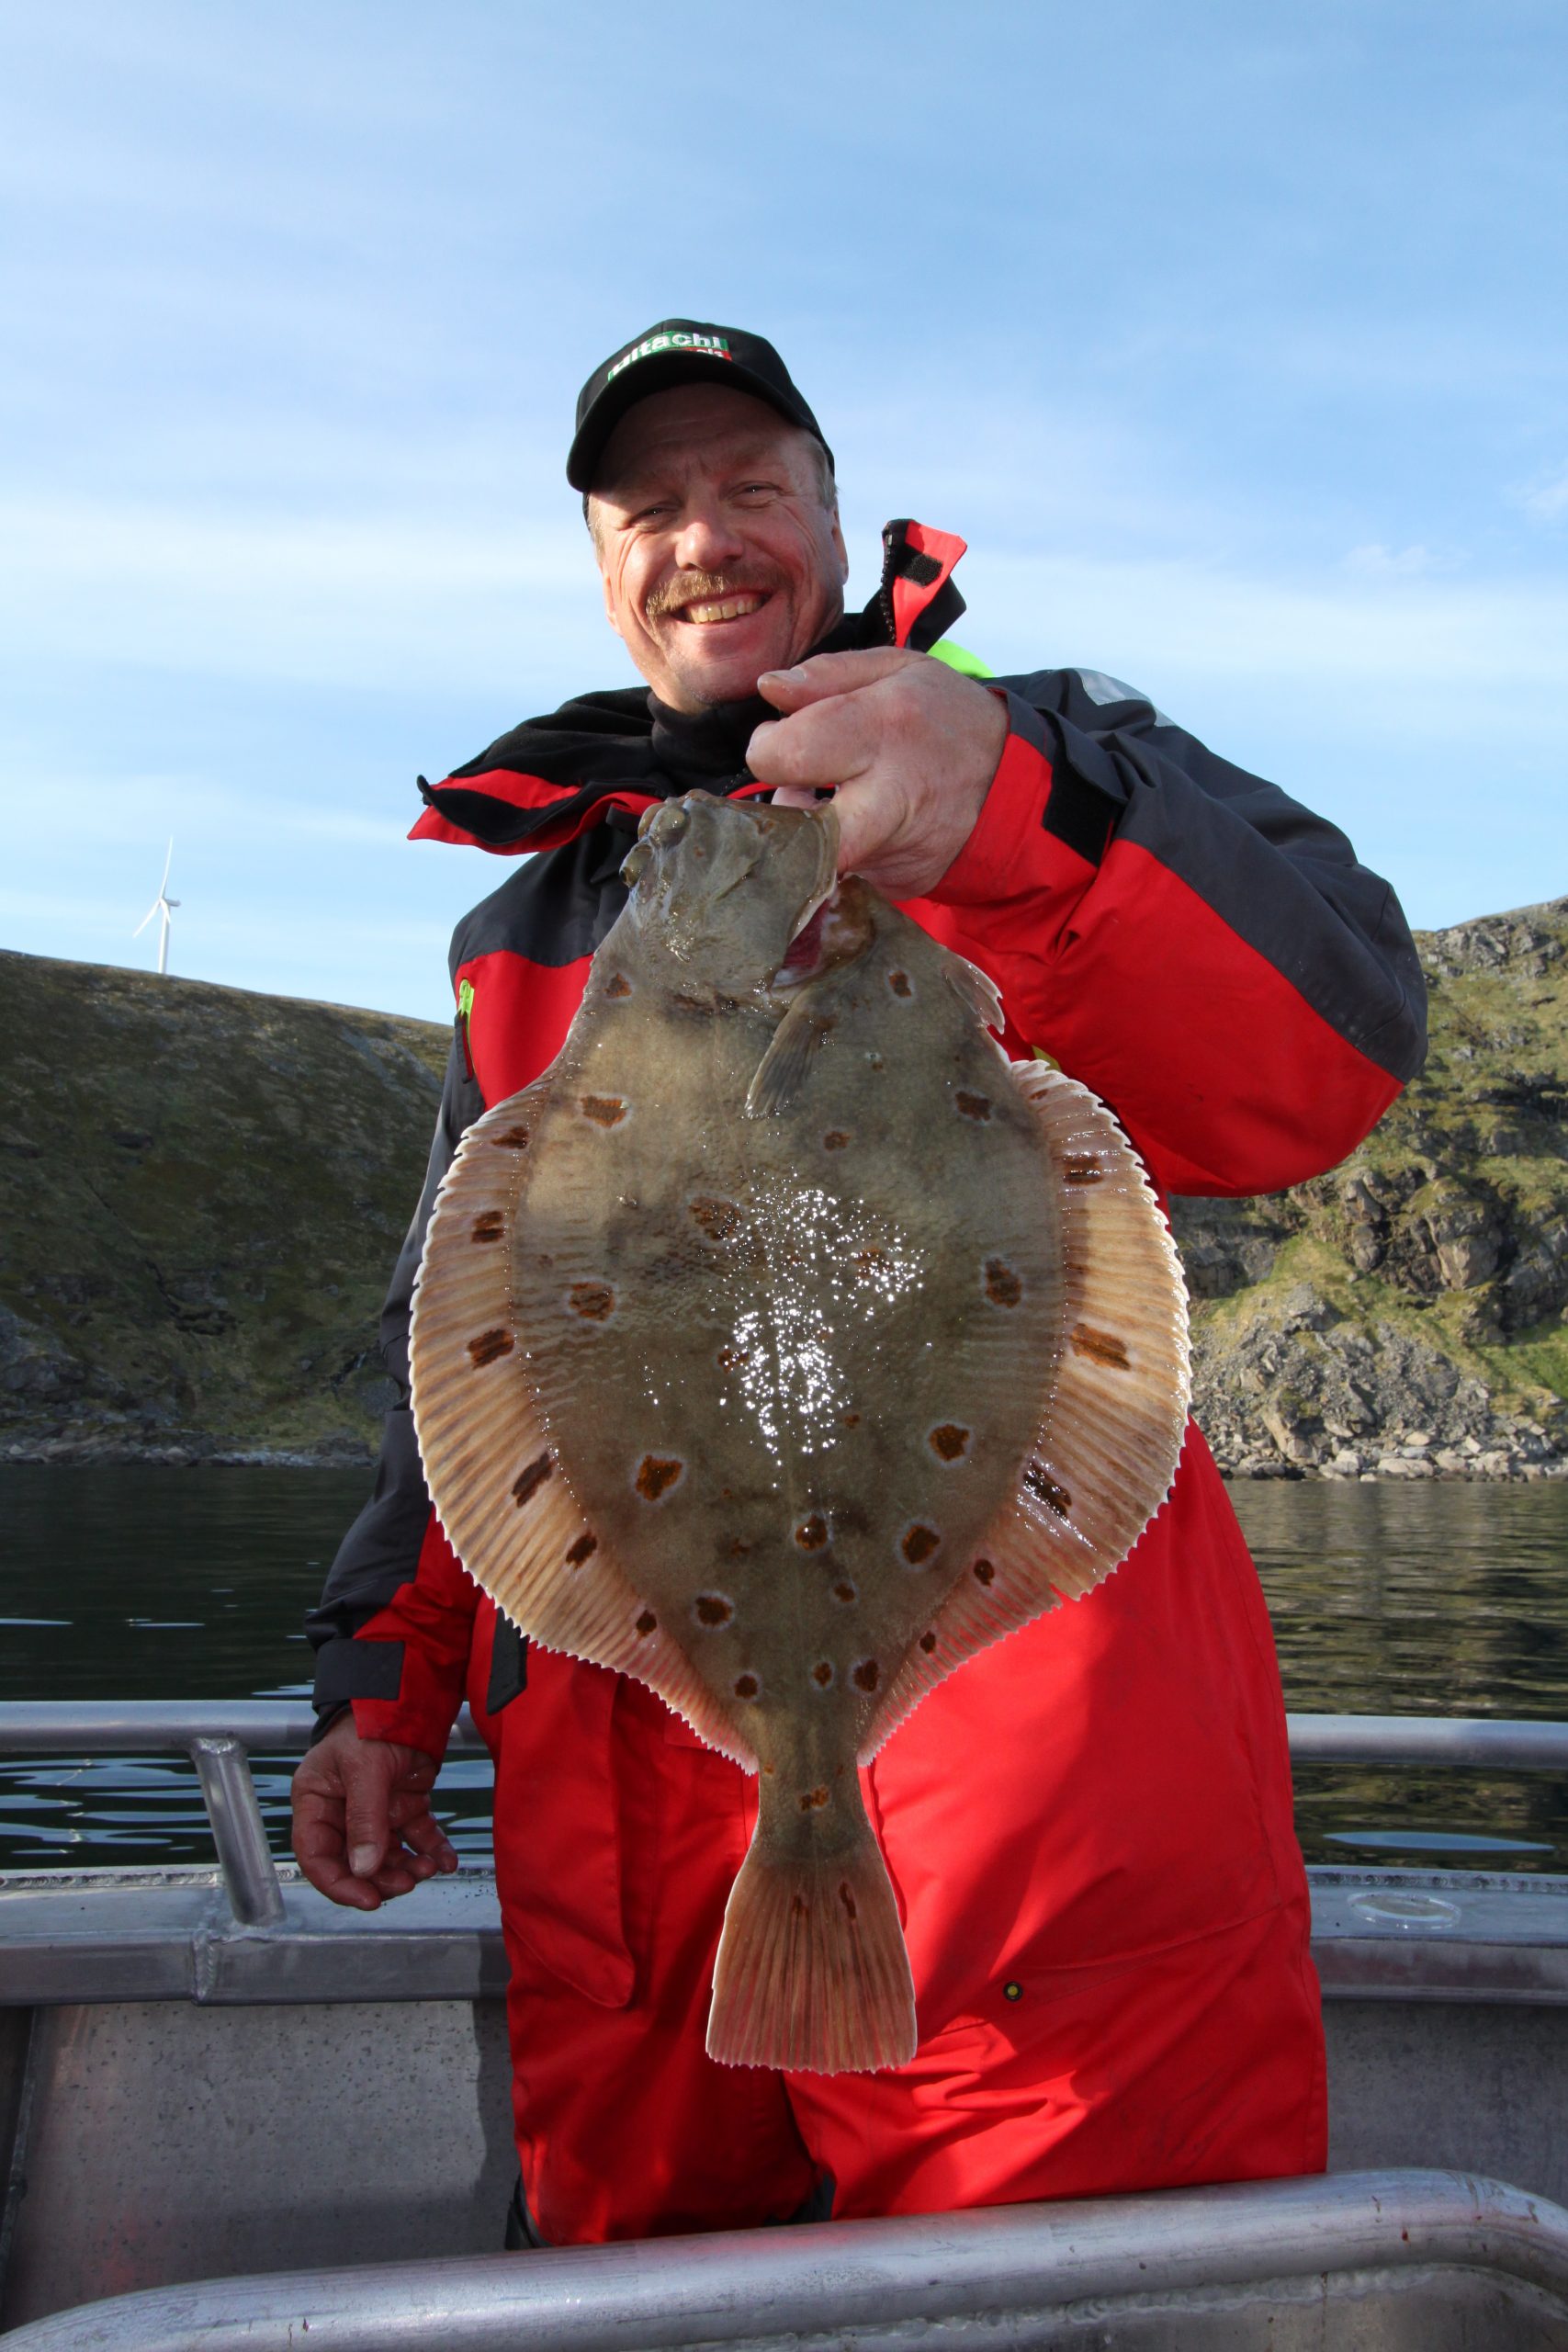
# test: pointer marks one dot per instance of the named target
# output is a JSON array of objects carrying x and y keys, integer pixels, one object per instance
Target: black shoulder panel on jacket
[
  {"x": 1286, "y": 882},
  {"x": 558, "y": 905}
]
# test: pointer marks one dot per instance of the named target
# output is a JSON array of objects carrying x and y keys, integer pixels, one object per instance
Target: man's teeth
[{"x": 728, "y": 608}]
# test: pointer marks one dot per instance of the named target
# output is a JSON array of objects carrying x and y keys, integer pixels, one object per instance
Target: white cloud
[
  {"x": 1378, "y": 563},
  {"x": 1548, "y": 501}
]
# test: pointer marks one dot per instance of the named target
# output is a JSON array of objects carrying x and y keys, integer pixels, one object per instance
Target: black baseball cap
[{"x": 679, "y": 351}]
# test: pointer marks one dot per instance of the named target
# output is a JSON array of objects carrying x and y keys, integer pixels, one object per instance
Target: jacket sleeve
[
  {"x": 394, "y": 1625},
  {"x": 1194, "y": 946}
]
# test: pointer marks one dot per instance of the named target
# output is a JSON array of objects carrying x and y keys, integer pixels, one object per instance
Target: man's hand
[
  {"x": 910, "y": 745},
  {"x": 363, "y": 1828}
]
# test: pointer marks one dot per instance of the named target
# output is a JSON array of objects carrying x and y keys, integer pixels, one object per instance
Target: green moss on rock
[{"x": 1405, "y": 1315}]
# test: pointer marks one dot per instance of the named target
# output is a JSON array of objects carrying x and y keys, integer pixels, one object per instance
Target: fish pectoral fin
[{"x": 781, "y": 1073}]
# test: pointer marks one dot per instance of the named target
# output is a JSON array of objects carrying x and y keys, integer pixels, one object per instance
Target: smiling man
[{"x": 1089, "y": 1827}]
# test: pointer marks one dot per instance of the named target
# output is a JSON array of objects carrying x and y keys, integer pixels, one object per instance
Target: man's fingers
[
  {"x": 832, "y": 673},
  {"x": 367, "y": 1773},
  {"x": 869, "y": 816},
  {"x": 318, "y": 1850},
  {"x": 426, "y": 1838},
  {"x": 827, "y": 744}
]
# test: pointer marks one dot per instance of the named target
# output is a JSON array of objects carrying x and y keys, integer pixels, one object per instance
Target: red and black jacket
[{"x": 1200, "y": 949}]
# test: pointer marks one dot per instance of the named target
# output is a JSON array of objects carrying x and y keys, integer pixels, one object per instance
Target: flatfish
[{"x": 784, "y": 1345}]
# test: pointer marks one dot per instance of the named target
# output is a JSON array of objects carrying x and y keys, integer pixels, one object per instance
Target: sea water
[{"x": 1414, "y": 1599}]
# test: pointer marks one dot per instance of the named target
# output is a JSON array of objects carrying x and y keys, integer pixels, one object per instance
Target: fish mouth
[{"x": 822, "y": 938}]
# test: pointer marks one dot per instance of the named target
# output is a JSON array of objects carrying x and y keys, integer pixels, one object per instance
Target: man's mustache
[{"x": 700, "y": 588}]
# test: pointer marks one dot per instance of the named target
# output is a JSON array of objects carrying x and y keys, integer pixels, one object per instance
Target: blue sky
[{"x": 1232, "y": 340}]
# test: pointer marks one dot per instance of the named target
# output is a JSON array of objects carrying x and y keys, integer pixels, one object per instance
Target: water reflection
[
  {"x": 1426, "y": 1599},
  {"x": 179, "y": 1584}
]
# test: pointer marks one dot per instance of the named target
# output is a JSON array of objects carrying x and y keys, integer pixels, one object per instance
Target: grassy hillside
[{"x": 202, "y": 1192}]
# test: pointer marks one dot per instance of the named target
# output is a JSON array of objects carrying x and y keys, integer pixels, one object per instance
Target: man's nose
[{"x": 707, "y": 540}]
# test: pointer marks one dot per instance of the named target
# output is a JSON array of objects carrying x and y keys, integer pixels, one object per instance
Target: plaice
[{"x": 783, "y": 1346}]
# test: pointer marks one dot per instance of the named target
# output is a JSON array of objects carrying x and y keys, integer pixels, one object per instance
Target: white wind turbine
[{"x": 161, "y": 904}]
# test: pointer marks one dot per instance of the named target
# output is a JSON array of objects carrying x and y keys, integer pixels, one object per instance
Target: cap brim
[{"x": 660, "y": 373}]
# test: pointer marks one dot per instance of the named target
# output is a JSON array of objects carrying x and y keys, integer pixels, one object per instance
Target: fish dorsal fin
[
  {"x": 1116, "y": 1408},
  {"x": 977, "y": 991},
  {"x": 499, "y": 1489}
]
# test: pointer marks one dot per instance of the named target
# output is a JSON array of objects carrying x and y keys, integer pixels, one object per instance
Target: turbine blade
[
  {"x": 145, "y": 920},
  {"x": 168, "y": 860}
]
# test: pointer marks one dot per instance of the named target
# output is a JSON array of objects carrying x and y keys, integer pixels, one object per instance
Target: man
[{"x": 1089, "y": 1827}]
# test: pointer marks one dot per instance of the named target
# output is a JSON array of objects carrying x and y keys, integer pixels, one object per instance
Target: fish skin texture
[{"x": 781, "y": 1291}]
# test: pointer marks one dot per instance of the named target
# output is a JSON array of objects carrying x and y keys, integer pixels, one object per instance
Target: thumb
[
  {"x": 366, "y": 1820},
  {"x": 832, "y": 673}
]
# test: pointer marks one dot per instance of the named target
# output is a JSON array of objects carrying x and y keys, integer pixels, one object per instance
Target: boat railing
[
  {"x": 221, "y": 1736},
  {"x": 1363, "y": 2257}
]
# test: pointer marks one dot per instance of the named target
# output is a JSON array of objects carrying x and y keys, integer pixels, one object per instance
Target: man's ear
[{"x": 842, "y": 551}]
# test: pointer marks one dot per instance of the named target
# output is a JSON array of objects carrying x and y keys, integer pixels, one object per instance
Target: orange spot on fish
[
  {"x": 1003, "y": 1287},
  {"x": 604, "y": 1110},
  {"x": 869, "y": 1262},
  {"x": 822, "y": 1674},
  {"x": 866, "y": 1675},
  {"x": 511, "y": 1140},
  {"x": 974, "y": 1106},
  {"x": 746, "y": 1687},
  {"x": 526, "y": 1483},
  {"x": 1082, "y": 1168},
  {"x": 491, "y": 1227},
  {"x": 656, "y": 1474},
  {"x": 737, "y": 1548},
  {"x": 928, "y": 1643},
  {"x": 617, "y": 985},
  {"x": 712, "y": 1609},
  {"x": 583, "y": 1549},
  {"x": 835, "y": 1139},
  {"x": 1100, "y": 1347},
  {"x": 849, "y": 1421},
  {"x": 899, "y": 982},
  {"x": 721, "y": 1220},
  {"x": 489, "y": 1346},
  {"x": 799, "y": 1908},
  {"x": 593, "y": 1301},
  {"x": 845, "y": 1592},
  {"x": 812, "y": 1533},
  {"x": 984, "y": 1572},
  {"x": 647, "y": 1623},
  {"x": 731, "y": 1359},
  {"x": 813, "y": 1800},
  {"x": 918, "y": 1543},
  {"x": 949, "y": 1440}
]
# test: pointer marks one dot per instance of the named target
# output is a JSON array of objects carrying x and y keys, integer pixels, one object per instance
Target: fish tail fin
[{"x": 812, "y": 1973}]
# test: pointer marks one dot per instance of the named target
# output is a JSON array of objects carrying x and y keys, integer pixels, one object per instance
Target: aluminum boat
[{"x": 211, "y": 2079}]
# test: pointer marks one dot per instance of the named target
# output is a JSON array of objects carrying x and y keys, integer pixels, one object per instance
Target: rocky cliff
[
  {"x": 1404, "y": 1316},
  {"x": 202, "y": 1191}
]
